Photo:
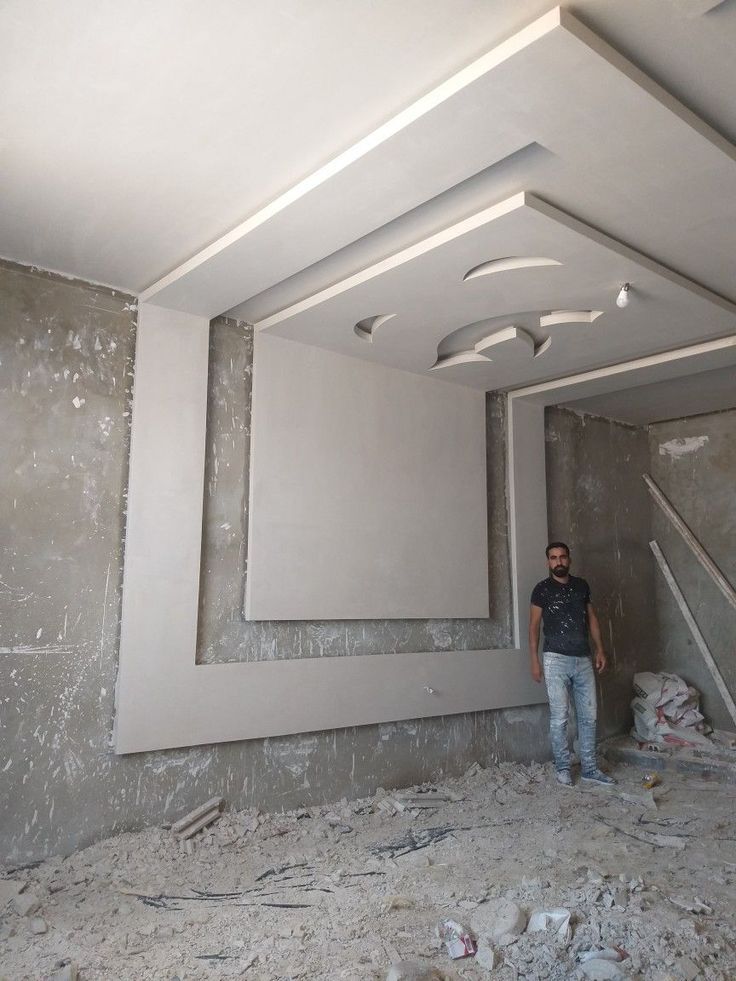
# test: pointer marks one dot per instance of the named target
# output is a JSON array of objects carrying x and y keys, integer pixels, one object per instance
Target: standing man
[{"x": 563, "y": 602}]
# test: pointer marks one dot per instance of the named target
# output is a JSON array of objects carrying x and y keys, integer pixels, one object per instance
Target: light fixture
[{"x": 622, "y": 300}]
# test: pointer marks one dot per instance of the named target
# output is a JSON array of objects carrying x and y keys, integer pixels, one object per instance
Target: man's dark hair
[{"x": 556, "y": 545}]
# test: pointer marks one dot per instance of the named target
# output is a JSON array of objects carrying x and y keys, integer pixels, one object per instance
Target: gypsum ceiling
[{"x": 321, "y": 195}]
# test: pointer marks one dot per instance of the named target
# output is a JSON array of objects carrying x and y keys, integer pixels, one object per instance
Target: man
[{"x": 563, "y": 602}]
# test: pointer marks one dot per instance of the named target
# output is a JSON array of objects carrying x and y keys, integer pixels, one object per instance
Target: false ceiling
[
  {"x": 675, "y": 398},
  {"x": 456, "y": 188}
]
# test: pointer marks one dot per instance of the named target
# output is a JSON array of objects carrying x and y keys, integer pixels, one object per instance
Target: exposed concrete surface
[
  {"x": 598, "y": 504},
  {"x": 694, "y": 463},
  {"x": 62, "y": 494}
]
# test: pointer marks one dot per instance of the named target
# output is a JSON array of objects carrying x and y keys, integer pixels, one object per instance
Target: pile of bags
[{"x": 666, "y": 712}]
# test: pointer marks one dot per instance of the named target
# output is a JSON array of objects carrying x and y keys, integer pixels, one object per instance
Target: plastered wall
[
  {"x": 598, "y": 504},
  {"x": 66, "y": 354},
  {"x": 694, "y": 462}
]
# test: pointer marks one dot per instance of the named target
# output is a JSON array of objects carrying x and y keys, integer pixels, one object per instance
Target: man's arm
[
  {"x": 535, "y": 620},
  {"x": 599, "y": 655}
]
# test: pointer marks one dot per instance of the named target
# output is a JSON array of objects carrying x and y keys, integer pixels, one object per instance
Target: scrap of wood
[
  {"x": 694, "y": 629},
  {"x": 197, "y": 819},
  {"x": 697, "y": 549}
]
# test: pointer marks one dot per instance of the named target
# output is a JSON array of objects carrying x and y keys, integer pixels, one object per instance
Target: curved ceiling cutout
[
  {"x": 365, "y": 329},
  {"x": 542, "y": 348},
  {"x": 462, "y": 357},
  {"x": 510, "y": 343},
  {"x": 509, "y": 262},
  {"x": 569, "y": 317}
]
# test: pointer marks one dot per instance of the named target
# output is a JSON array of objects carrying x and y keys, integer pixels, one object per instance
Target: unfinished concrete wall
[
  {"x": 66, "y": 353},
  {"x": 694, "y": 462},
  {"x": 598, "y": 504}
]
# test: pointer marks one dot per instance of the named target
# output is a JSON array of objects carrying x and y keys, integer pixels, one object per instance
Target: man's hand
[
  {"x": 536, "y": 670},
  {"x": 600, "y": 661}
]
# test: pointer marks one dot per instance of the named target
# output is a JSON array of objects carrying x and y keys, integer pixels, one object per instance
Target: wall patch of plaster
[{"x": 682, "y": 446}]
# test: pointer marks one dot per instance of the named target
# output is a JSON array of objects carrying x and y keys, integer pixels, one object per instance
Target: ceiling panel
[{"x": 424, "y": 298}]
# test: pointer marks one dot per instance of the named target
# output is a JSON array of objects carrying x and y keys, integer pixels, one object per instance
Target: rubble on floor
[{"x": 355, "y": 890}]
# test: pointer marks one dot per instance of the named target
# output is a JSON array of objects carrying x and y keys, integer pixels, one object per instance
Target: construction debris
[
  {"x": 294, "y": 898},
  {"x": 26, "y": 903},
  {"x": 498, "y": 922},
  {"x": 556, "y": 921},
  {"x": 666, "y": 711},
  {"x": 413, "y": 971},
  {"x": 694, "y": 630},
  {"x": 197, "y": 819},
  {"x": 457, "y": 939}
]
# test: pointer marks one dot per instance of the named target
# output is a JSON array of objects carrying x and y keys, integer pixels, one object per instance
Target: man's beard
[{"x": 559, "y": 570}]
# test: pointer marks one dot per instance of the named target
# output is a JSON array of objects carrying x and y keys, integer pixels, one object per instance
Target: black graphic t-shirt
[{"x": 564, "y": 615}]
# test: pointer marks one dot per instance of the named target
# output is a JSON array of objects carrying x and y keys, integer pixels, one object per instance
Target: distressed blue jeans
[{"x": 565, "y": 676}]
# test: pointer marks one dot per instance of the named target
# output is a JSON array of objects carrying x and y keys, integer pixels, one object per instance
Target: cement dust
[{"x": 344, "y": 891}]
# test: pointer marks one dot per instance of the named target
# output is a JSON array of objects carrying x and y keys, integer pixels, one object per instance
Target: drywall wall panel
[
  {"x": 527, "y": 505},
  {"x": 368, "y": 491},
  {"x": 163, "y": 536}
]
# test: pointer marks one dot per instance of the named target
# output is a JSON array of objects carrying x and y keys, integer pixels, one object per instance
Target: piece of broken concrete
[
  {"x": 414, "y": 971},
  {"x": 687, "y": 969},
  {"x": 487, "y": 958},
  {"x": 26, "y": 903},
  {"x": 498, "y": 922},
  {"x": 397, "y": 902},
  {"x": 602, "y": 970},
  {"x": 38, "y": 925},
  {"x": 9, "y": 889},
  {"x": 67, "y": 972}
]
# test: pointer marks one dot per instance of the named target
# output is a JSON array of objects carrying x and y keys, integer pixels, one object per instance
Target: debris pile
[
  {"x": 666, "y": 712},
  {"x": 531, "y": 881}
]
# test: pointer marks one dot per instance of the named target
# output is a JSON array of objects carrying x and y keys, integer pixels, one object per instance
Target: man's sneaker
[
  {"x": 598, "y": 776},
  {"x": 563, "y": 777}
]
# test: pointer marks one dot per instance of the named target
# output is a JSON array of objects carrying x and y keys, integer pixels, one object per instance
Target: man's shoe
[
  {"x": 598, "y": 776},
  {"x": 563, "y": 777}
]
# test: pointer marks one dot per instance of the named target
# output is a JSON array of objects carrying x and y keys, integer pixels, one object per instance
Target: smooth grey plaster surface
[
  {"x": 598, "y": 504},
  {"x": 367, "y": 490},
  {"x": 694, "y": 463},
  {"x": 62, "y": 501}
]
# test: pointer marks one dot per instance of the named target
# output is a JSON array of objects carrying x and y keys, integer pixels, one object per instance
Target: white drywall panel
[
  {"x": 527, "y": 479},
  {"x": 164, "y": 698},
  {"x": 368, "y": 491},
  {"x": 164, "y": 523},
  {"x": 226, "y": 702}
]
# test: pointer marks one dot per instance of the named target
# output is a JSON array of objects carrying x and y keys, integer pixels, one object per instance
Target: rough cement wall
[
  {"x": 694, "y": 462},
  {"x": 66, "y": 352},
  {"x": 598, "y": 504}
]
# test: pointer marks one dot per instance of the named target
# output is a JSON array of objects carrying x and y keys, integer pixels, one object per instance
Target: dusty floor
[{"x": 341, "y": 892}]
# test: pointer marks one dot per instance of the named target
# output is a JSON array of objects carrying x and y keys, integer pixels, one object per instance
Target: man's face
[{"x": 558, "y": 561}]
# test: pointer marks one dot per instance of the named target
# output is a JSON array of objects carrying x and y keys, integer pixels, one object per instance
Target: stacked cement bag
[{"x": 666, "y": 711}]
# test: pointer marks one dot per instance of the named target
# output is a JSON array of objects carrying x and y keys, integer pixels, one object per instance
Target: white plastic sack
[
  {"x": 555, "y": 920},
  {"x": 666, "y": 711}
]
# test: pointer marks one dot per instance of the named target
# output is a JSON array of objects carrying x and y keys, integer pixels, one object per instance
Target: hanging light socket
[{"x": 622, "y": 300}]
